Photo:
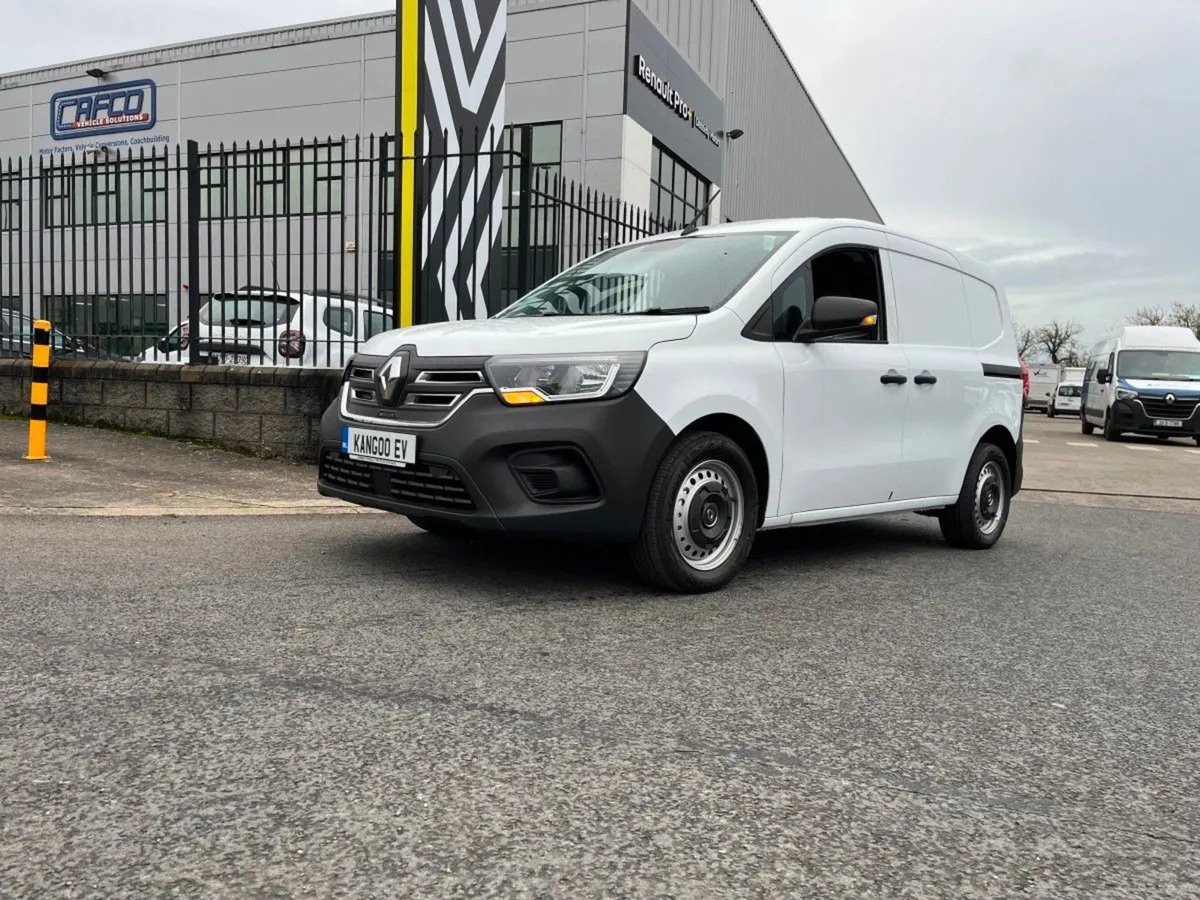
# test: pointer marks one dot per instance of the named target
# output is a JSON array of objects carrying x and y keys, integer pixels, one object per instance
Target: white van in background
[
  {"x": 1067, "y": 399},
  {"x": 1043, "y": 379},
  {"x": 1145, "y": 379}
]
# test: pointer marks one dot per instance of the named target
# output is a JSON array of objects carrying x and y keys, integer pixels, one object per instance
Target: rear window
[
  {"x": 1068, "y": 390},
  {"x": 241, "y": 311}
]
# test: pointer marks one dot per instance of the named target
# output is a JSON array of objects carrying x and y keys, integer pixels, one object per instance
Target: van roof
[
  {"x": 1158, "y": 337},
  {"x": 815, "y": 225}
]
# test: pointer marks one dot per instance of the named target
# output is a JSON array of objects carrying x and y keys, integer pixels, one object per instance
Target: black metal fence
[{"x": 280, "y": 253}]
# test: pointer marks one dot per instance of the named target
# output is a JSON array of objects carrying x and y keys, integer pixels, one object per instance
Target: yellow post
[{"x": 39, "y": 391}]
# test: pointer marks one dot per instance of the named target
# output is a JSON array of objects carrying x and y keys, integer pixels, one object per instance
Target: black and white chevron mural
[{"x": 459, "y": 175}]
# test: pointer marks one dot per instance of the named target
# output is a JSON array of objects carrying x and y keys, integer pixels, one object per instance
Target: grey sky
[{"x": 1052, "y": 138}]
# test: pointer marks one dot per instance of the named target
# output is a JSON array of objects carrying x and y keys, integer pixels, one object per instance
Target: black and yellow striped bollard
[{"x": 39, "y": 391}]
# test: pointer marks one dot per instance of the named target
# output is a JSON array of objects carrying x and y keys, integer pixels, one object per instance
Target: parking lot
[{"x": 215, "y": 683}]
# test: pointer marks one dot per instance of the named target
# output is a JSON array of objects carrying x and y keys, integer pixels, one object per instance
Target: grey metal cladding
[
  {"x": 788, "y": 163},
  {"x": 666, "y": 97}
]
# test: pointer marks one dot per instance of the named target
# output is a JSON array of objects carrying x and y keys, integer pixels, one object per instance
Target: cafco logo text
[
  {"x": 671, "y": 97},
  {"x": 109, "y": 109}
]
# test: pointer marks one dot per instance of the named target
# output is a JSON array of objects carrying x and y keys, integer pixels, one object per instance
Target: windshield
[
  {"x": 1068, "y": 390},
  {"x": 242, "y": 311},
  {"x": 1159, "y": 365},
  {"x": 697, "y": 273}
]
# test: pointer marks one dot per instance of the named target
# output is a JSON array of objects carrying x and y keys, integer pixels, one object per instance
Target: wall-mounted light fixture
[{"x": 97, "y": 72}]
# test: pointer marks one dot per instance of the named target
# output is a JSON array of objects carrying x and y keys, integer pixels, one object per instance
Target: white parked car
[
  {"x": 267, "y": 327},
  {"x": 678, "y": 394},
  {"x": 1066, "y": 399}
]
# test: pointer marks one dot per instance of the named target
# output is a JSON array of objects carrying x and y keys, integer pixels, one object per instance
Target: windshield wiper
[{"x": 674, "y": 311}]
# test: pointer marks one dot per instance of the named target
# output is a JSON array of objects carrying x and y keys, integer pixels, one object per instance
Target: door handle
[
  {"x": 925, "y": 377},
  {"x": 893, "y": 377}
]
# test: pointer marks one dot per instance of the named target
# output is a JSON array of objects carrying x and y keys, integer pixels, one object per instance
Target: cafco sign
[{"x": 671, "y": 97}]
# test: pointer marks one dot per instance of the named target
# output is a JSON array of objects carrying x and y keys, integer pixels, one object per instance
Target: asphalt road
[{"x": 202, "y": 696}]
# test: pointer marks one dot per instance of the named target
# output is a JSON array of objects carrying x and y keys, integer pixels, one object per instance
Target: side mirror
[
  {"x": 1104, "y": 376},
  {"x": 833, "y": 316}
]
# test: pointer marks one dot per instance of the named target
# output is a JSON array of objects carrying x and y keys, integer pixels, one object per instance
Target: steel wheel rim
[
  {"x": 708, "y": 516},
  {"x": 991, "y": 498}
]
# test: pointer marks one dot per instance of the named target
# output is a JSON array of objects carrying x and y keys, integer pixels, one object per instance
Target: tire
[
  {"x": 1110, "y": 429},
  {"x": 986, "y": 490},
  {"x": 1197, "y": 440},
  {"x": 666, "y": 553},
  {"x": 1084, "y": 425},
  {"x": 440, "y": 527},
  {"x": 1050, "y": 412}
]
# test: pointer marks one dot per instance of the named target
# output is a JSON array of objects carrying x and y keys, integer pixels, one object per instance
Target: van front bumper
[
  {"x": 575, "y": 469},
  {"x": 1131, "y": 417}
]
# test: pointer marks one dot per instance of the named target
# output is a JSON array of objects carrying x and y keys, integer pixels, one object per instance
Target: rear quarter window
[
  {"x": 983, "y": 307},
  {"x": 931, "y": 303}
]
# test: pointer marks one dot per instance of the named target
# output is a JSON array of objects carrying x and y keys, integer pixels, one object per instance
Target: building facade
[{"x": 636, "y": 99}]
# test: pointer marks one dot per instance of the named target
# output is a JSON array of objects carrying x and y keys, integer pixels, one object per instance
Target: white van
[
  {"x": 678, "y": 394},
  {"x": 1145, "y": 379},
  {"x": 1042, "y": 382}
]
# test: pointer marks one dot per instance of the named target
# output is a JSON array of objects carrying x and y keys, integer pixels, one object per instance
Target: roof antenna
[{"x": 694, "y": 225}]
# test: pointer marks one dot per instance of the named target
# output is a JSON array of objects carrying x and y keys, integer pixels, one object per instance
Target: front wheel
[
  {"x": 1110, "y": 428},
  {"x": 978, "y": 519},
  {"x": 1084, "y": 424},
  {"x": 1050, "y": 412},
  {"x": 701, "y": 516}
]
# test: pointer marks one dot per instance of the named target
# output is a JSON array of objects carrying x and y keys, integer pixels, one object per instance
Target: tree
[
  {"x": 1060, "y": 342},
  {"x": 1027, "y": 341},
  {"x": 1148, "y": 315}
]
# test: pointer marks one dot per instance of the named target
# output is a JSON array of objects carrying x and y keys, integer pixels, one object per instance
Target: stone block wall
[{"x": 265, "y": 411}]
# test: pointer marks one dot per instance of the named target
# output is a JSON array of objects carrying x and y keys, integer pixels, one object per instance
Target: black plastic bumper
[
  {"x": 1131, "y": 417},
  {"x": 475, "y": 468}
]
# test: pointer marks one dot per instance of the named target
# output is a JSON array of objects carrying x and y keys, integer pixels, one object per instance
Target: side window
[
  {"x": 841, "y": 272},
  {"x": 983, "y": 306},
  {"x": 340, "y": 319},
  {"x": 852, "y": 272},
  {"x": 932, "y": 303},
  {"x": 376, "y": 323}
]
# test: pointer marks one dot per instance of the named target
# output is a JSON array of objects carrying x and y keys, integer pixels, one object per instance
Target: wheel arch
[
  {"x": 741, "y": 431},
  {"x": 1002, "y": 438}
]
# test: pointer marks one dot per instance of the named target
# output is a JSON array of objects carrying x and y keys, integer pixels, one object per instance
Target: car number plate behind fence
[
  {"x": 235, "y": 359},
  {"x": 383, "y": 447},
  {"x": 1168, "y": 423}
]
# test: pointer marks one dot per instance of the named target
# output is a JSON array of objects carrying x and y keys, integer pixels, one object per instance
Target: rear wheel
[
  {"x": 1050, "y": 412},
  {"x": 979, "y": 517},
  {"x": 701, "y": 516}
]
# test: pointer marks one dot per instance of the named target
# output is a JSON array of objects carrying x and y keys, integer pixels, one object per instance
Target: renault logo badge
[
  {"x": 1170, "y": 398},
  {"x": 389, "y": 378}
]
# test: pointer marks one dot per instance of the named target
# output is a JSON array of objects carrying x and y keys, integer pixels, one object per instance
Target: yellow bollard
[{"x": 39, "y": 391}]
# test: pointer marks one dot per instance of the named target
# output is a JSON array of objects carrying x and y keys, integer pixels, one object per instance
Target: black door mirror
[
  {"x": 1104, "y": 376},
  {"x": 834, "y": 316}
]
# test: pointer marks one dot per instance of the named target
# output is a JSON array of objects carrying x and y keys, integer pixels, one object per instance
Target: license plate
[
  {"x": 235, "y": 359},
  {"x": 1168, "y": 423},
  {"x": 383, "y": 447}
]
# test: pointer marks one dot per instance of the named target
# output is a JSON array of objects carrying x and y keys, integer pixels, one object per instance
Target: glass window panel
[{"x": 547, "y": 143}]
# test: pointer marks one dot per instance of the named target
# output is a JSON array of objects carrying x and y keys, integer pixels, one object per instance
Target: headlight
[
  {"x": 528, "y": 380},
  {"x": 1127, "y": 395}
]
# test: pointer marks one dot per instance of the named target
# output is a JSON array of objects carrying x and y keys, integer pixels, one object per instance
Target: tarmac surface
[{"x": 203, "y": 697}]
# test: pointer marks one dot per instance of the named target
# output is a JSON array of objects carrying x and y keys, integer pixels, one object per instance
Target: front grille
[
  {"x": 432, "y": 391},
  {"x": 1159, "y": 408},
  {"x": 423, "y": 484}
]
